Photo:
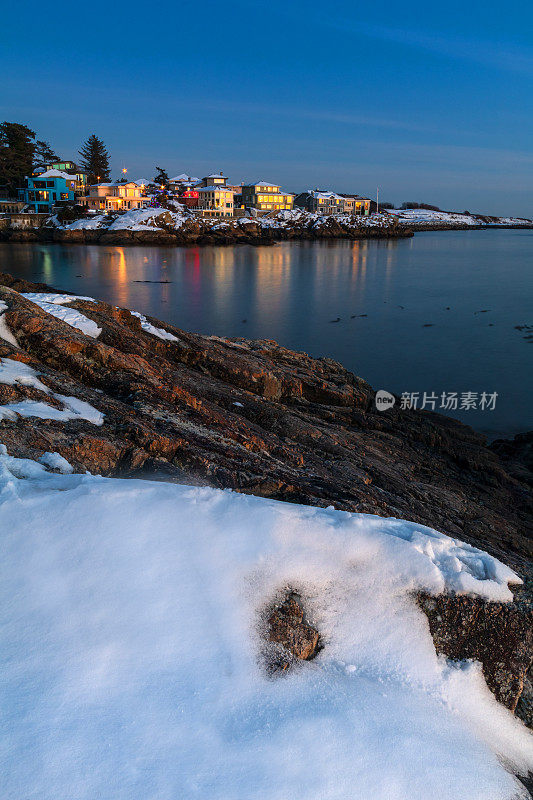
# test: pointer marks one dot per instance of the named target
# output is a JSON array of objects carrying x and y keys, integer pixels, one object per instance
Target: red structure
[{"x": 189, "y": 198}]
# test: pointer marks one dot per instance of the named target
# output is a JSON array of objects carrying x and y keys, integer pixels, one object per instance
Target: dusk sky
[{"x": 432, "y": 102}]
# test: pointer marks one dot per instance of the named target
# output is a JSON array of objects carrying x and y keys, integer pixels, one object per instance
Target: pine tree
[
  {"x": 43, "y": 154},
  {"x": 17, "y": 145},
  {"x": 161, "y": 177},
  {"x": 95, "y": 160}
]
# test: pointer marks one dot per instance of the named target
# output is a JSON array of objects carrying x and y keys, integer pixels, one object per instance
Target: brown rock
[
  {"x": 286, "y": 627},
  {"x": 499, "y": 635}
]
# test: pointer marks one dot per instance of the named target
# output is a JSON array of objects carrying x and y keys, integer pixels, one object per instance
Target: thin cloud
[{"x": 497, "y": 55}]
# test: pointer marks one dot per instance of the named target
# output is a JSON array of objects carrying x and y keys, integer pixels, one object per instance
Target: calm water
[{"x": 291, "y": 292}]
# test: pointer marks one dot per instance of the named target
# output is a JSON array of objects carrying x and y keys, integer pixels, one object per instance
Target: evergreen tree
[
  {"x": 43, "y": 154},
  {"x": 95, "y": 160},
  {"x": 161, "y": 177},
  {"x": 17, "y": 145}
]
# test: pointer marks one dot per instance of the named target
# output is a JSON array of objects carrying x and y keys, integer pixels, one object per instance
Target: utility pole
[{"x": 377, "y": 200}]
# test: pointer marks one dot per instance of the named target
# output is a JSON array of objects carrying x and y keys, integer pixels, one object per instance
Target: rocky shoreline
[
  {"x": 195, "y": 231},
  {"x": 258, "y": 418},
  {"x": 176, "y": 226}
]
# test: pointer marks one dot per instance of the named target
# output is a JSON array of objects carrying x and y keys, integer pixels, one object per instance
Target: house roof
[
  {"x": 183, "y": 178},
  {"x": 324, "y": 195},
  {"x": 55, "y": 173},
  {"x": 214, "y": 189},
  {"x": 110, "y": 185},
  {"x": 215, "y": 175}
]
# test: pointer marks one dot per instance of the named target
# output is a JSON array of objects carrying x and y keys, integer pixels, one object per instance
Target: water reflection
[{"x": 384, "y": 292}]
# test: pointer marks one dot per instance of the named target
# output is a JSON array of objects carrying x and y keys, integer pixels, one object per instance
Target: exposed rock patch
[
  {"x": 287, "y": 627},
  {"x": 498, "y": 635}
]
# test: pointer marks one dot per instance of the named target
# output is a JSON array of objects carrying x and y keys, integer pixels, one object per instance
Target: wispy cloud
[{"x": 498, "y": 54}]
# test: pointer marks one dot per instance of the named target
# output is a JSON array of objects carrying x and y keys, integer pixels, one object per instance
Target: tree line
[{"x": 21, "y": 153}]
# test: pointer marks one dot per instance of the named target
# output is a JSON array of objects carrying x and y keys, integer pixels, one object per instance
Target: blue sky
[{"x": 432, "y": 102}]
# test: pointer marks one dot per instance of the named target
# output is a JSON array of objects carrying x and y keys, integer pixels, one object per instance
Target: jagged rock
[
  {"x": 287, "y": 627},
  {"x": 498, "y": 635}
]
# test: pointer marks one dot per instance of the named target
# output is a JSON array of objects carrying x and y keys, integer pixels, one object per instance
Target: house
[
  {"x": 46, "y": 189},
  {"x": 71, "y": 169},
  {"x": 181, "y": 182},
  {"x": 355, "y": 204},
  {"x": 217, "y": 179},
  {"x": 321, "y": 201},
  {"x": 215, "y": 200},
  {"x": 265, "y": 196},
  {"x": 115, "y": 197},
  {"x": 144, "y": 184}
]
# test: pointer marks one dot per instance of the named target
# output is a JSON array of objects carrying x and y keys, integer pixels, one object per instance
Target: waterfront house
[
  {"x": 355, "y": 204},
  {"x": 72, "y": 169},
  {"x": 180, "y": 183},
  {"x": 115, "y": 197},
  {"x": 265, "y": 196},
  {"x": 45, "y": 189},
  {"x": 215, "y": 200},
  {"x": 217, "y": 179},
  {"x": 321, "y": 201}
]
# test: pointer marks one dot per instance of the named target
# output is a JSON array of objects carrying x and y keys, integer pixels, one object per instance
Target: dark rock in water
[
  {"x": 286, "y": 627},
  {"x": 498, "y": 635}
]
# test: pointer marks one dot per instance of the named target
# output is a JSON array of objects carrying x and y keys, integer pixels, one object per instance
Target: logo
[{"x": 384, "y": 400}]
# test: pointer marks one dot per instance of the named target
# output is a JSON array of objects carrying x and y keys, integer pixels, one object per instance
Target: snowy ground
[
  {"x": 421, "y": 216},
  {"x": 130, "y": 615}
]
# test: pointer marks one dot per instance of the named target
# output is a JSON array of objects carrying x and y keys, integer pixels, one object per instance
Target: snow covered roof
[
  {"x": 183, "y": 178},
  {"x": 324, "y": 195},
  {"x": 142, "y": 181},
  {"x": 55, "y": 173},
  {"x": 216, "y": 175},
  {"x": 214, "y": 188}
]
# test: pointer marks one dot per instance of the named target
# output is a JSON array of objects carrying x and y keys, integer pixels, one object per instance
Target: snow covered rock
[{"x": 129, "y": 616}]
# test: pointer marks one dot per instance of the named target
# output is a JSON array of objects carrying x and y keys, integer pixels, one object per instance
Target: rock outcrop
[{"x": 258, "y": 418}]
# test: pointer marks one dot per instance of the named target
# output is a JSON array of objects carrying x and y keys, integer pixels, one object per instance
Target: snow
[
  {"x": 5, "y": 332},
  {"x": 217, "y": 188},
  {"x": 55, "y": 173},
  {"x": 55, "y": 297},
  {"x": 140, "y": 219},
  {"x": 129, "y": 627},
  {"x": 161, "y": 333},
  {"x": 53, "y": 304},
  {"x": 184, "y": 178},
  {"x": 56, "y": 461},
  {"x": 86, "y": 223},
  {"x": 422, "y": 216},
  {"x": 16, "y": 372}
]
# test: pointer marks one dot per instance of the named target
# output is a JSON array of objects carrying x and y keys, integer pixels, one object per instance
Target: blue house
[{"x": 48, "y": 188}]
